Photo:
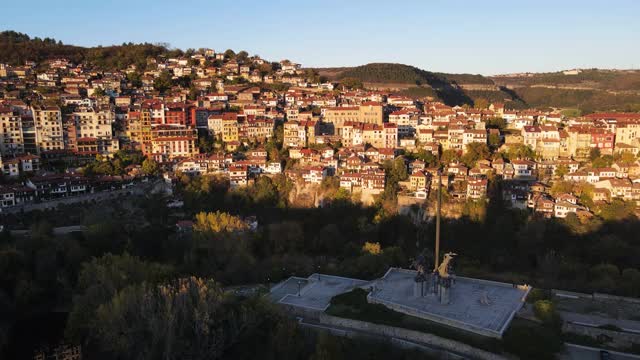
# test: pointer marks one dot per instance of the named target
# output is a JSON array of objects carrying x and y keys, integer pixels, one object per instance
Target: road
[
  {"x": 579, "y": 352},
  {"x": 595, "y": 321}
]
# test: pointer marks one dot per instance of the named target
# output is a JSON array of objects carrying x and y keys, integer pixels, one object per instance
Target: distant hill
[
  {"x": 453, "y": 89},
  {"x": 590, "y": 90},
  {"x": 16, "y": 48},
  {"x": 587, "y": 79},
  {"x": 392, "y": 73}
]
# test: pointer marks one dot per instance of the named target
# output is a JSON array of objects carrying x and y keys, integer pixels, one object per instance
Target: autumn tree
[{"x": 218, "y": 222}]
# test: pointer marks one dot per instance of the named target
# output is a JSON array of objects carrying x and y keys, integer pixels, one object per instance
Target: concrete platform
[
  {"x": 316, "y": 291},
  {"x": 465, "y": 311}
]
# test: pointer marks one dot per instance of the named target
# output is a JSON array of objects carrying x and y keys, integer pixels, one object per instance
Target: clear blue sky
[{"x": 472, "y": 36}]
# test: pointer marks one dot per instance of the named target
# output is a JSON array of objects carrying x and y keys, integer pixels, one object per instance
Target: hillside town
[{"x": 243, "y": 117}]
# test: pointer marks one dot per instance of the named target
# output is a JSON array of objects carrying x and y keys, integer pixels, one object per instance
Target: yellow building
[
  {"x": 628, "y": 134},
  {"x": 579, "y": 142},
  {"x": 418, "y": 180},
  {"x": 229, "y": 130}
]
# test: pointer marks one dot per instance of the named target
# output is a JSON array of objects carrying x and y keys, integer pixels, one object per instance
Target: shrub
[{"x": 545, "y": 311}]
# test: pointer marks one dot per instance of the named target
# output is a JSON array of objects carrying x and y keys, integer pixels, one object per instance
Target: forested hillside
[
  {"x": 589, "y": 91},
  {"x": 16, "y": 48}
]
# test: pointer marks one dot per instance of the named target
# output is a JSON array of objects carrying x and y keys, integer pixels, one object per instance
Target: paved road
[
  {"x": 579, "y": 352},
  {"x": 595, "y": 321}
]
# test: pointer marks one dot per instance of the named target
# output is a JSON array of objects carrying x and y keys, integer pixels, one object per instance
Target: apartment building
[
  {"x": 11, "y": 139},
  {"x": 170, "y": 141},
  {"x": 48, "y": 128}
]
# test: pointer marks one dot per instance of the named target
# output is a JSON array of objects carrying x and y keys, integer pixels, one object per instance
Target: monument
[
  {"x": 431, "y": 291},
  {"x": 438, "y": 283}
]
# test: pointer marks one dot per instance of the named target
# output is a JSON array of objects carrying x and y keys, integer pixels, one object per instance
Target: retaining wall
[{"x": 410, "y": 335}]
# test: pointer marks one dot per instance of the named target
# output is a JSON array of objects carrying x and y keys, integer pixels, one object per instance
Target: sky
[{"x": 457, "y": 36}]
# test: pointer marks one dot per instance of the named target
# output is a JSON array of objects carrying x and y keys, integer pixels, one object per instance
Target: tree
[
  {"x": 496, "y": 123},
  {"x": 150, "y": 167},
  {"x": 626, "y": 158},
  {"x": 594, "y": 154},
  {"x": 617, "y": 210},
  {"x": 219, "y": 222},
  {"x": 520, "y": 151},
  {"x": 99, "y": 280},
  {"x": 481, "y": 103},
  {"x": 631, "y": 282},
  {"x": 188, "y": 318},
  {"x": 99, "y": 92},
  {"x": 328, "y": 347},
  {"x": 448, "y": 156},
  {"x": 604, "y": 277},
  {"x": 561, "y": 171},
  {"x": 229, "y": 54},
  {"x": 351, "y": 83},
  {"x": 286, "y": 236},
  {"x": 475, "y": 151},
  {"x": 561, "y": 187},
  {"x": 242, "y": 56},
  {"x": 163, "y": 82},
  {"x": 371, "y": 248},
  {"x": 602, "y": 161},
  {"x": 426, "y": 156},
  {"x": 494, "y": 141}
]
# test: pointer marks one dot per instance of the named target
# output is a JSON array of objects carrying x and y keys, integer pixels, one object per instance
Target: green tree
[
  {"x": 475, "y": 151},
  {"x": 494, "y": 141},
  {"x": 150, "y": 167},
  {"x": 328, "y": 347},
  {"x": 351, "y": 83},
  {"x": 617, "y": 210},
  {"x": 448, "y": 156},
  {"x": 163, "y": 82},
  {"x": 631, "y": 282},
  {"x": 561, "y": 171},
  {"x": 520, "y": 151},
  {"x": 496, "y": 123},
  {"x": 561, "y": 187},
  {"x": 229, "y": 54},
  {"x": 286, "y": 236},
  {"x": 99, "y": 280},
  {"x": 188, "y": 318}
]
